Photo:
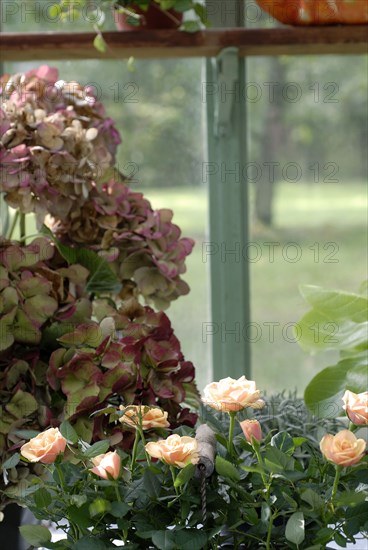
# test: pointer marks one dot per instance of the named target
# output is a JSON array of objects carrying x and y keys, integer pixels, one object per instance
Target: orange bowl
[{"x": 317, "y": 12}]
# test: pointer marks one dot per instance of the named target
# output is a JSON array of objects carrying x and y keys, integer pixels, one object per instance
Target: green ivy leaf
[
  {"x": 225, "y": 469},
  {"x": 294, "y": 530},
  {"x": 191, "y": 26},
  {"x": 36, "y": 535},
  {"x": 99, "y": 43},
  {"x": 68, "y": 432},
  {"x": 54, "y": 11}
]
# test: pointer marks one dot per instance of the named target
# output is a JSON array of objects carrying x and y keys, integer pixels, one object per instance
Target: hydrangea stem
[
  {"x": 13, "y": 225},
  {"x": 22, "y": 226}
]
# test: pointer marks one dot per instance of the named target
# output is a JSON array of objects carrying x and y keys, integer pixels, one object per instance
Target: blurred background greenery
[{"x": 306, "y": 171}]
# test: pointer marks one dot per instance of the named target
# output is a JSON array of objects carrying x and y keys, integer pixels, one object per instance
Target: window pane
[{"x": 308, "y": 171}]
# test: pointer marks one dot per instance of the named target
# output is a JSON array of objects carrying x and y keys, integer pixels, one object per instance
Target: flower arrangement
[
  {"x": 249, "y": 489},
  {"x": 78, "y": 332}
]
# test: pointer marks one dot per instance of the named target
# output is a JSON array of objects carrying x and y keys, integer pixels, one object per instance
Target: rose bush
[{"x": 279, "y": 493}]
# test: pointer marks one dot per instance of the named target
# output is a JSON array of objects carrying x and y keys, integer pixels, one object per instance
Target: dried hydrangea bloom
[
  {"x": 142, "y": 244},
  {"x": 55, "y": 142},
  {"x": 33, "y": 292}
]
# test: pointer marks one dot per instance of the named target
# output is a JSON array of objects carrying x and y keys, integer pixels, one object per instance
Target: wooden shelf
[{"x": 340, "y": 39}]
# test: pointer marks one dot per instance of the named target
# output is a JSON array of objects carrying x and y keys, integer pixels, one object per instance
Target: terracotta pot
[
  {"x": 153, "y": 18},
  {"x": 317, "y": 12}
]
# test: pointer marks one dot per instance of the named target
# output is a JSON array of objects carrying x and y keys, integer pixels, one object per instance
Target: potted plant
[
  {"x": 139, "y": 14},
  {"x": 231, "y": 483}
]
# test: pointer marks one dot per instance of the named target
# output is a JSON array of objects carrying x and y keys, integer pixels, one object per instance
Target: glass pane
[{"x": 307, "y": 171}]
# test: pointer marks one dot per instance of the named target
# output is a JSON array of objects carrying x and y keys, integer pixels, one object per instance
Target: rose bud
[
  {"x": 251, "y": 429},
  {"x": 106, "y": 465}
]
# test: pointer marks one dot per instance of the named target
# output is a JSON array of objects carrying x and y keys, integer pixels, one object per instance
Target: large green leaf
[
  {"x": 323, "y": 395},
  {"x": 337, "y": 320}
]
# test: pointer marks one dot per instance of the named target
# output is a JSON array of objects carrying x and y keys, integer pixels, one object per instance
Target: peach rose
[
  {"x": 44, "y": 447},
  {"x": 232, "y": 395},
  {"x": 343, "y": 449},
  {"x": 151, "y": 417},
  {"x": 175, "y": 450},
  {"x": 251, "y": 429},
  {"x": 106, "y": 465},
  {"x": 356, "y": 407}
]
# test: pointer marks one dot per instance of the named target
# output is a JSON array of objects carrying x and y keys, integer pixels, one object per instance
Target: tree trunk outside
[{"x": 272, "y": 146}]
